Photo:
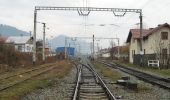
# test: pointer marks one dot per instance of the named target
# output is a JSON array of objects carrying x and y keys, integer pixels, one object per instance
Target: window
[
  {"x": 133, "y": 53},
  {"x": 28, "y": 48},
  {"x": 164, "y": 35},
  {"x": 20, "y": 47},
  {"x": 164, "y": 53}
]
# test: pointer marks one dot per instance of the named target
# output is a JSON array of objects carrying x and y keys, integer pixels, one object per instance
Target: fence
[{"x": 164, "y": 59}]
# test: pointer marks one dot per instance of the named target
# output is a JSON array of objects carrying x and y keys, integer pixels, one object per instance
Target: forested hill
[{"x": 6, "y": 30}]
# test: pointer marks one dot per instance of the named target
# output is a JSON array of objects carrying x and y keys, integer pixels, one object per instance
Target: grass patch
[
  {"x": 15, "y": 92},
  {"x": 143, "y": 88},
  {"x": 39, "y": 82},
  {"x": 162, "y": 72},
  {"x": 114, "y": 75},
  {"x": 107, "y": 72}
]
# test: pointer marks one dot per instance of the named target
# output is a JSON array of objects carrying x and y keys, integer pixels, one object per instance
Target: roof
[
  {"x": 135, "y": 33},
  {"x": 3, "y": 39},
  {"x": 18, "y": 39}
]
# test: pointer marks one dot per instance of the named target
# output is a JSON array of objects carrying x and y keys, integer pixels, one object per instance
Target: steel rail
[
  {"x": 28, "y": 71},
  {"x": 111, "y": 96},
  {"x": 15, "y": 83},
  {"x": 162, "y": 82},
  {"x": 108, "y": 92},
  {"x": 78, "y": 84}
]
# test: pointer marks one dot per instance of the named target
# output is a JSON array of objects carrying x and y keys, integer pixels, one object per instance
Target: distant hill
[
  {"x": 6, "y": 30},
  {"x": 59, "y": 41}
]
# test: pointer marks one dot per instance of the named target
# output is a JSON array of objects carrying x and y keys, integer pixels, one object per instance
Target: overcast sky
[{"x": 19, "y": 13}]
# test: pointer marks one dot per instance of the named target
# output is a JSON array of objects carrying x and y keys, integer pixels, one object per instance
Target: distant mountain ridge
[{"x": 6, "y": 30}]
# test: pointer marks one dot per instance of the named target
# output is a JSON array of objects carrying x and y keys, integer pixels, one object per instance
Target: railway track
[
  {"x": 23, "y": 72},
  {"x": 15, "y": 79},
  {"x": 155, "y": 80},
  {"x": 90, "y": 86}
]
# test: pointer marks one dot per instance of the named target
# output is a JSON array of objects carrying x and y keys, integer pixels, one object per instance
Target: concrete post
[
  {"x": 43, "y": 49},
  {"x": 34, "y": 38}
]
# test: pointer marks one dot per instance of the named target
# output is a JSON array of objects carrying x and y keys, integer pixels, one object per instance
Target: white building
[
  {"x": 22, "y": 43},
  {"x": 155, "y": 41},
  {"x": 104, "y": 53}
]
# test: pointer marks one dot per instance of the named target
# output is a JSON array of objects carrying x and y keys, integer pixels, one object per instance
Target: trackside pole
[{"x": 34, "y": 38}]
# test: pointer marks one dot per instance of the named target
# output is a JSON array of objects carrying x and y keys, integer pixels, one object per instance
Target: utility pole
[
  {"x": 69, "y": 51},
  {"x": 118, "y": 49},
  {"x": 79, "y": 50},
  {"x": 98, "y": 50},
  {"x": 141, "y": 39},
  {"x": 65, "y": 47},
  {"x": 30, "y": 33},
  {"x": 93, "y": 47},
  {"x": 43, "y": 50},
  {"x": 34, "y": 38}
]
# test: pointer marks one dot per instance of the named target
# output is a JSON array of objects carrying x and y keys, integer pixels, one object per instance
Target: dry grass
[
  {"x": 11, "y": 59},
  {"x": 143, "y": 88},
  {"x": 162, "y": 72},
  {"x": 41, "y": 81},
  {"x": 107, "y": 72},
  {"x": 20, "y": 70}
]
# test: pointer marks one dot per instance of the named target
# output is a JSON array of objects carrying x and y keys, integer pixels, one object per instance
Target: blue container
[{"x": 70, "y": 50}]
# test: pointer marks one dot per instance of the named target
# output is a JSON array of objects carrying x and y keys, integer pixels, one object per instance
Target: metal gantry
[
  {"x": 81, "y": 11},
  {"x": 100, "y": 38}
]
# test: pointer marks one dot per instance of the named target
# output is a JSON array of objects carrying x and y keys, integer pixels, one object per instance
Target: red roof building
[{"x": 155, "y": 41}]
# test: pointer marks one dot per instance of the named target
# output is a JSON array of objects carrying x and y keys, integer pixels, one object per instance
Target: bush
[{"x": 11, "y": 57}]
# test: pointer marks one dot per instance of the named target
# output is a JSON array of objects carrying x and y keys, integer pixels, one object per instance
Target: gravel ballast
[{"x": 147, "y": 92}]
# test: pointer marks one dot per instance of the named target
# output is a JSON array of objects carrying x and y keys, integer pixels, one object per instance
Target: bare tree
[
  {"x": 158, "y": 46},
  {"x": 112, "y": 50}
]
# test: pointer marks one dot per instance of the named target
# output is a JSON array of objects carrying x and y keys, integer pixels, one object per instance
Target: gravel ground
[
  {"x": 149, "y": 92},
  {"x": 61, "y": 90}
]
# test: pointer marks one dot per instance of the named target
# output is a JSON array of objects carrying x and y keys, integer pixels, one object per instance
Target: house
[
  {"x": 40, "y": 48},
  {"x": 120, "y": 52},
  {"x": 116, "y": 52},
  {"x": 105, "y": 53},
  {"x": 155, "y": 43},
  {"x": 21, "y": 43}
]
